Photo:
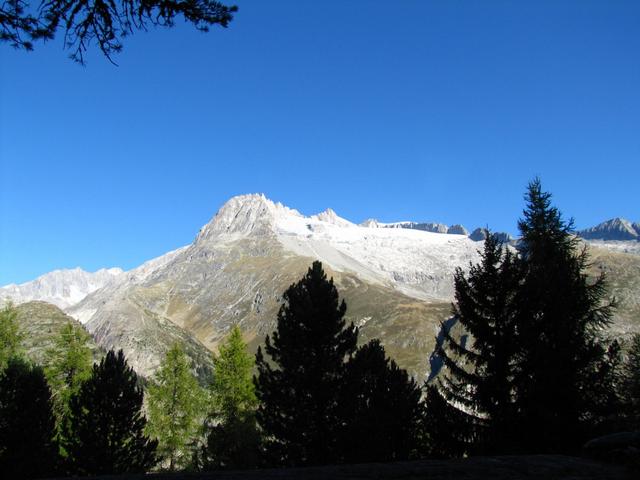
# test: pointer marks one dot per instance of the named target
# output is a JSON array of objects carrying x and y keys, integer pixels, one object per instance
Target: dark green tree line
[
  {"x": 537, "y": 362},
  {"x": 27, "y": 423},
  {"x": 105, "y": 432},
  {"x": 318, "y": 395}
]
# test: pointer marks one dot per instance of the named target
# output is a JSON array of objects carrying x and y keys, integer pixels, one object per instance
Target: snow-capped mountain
[
  {"x": 62, "y": 288},
  {"x": 397, "y": 279}
]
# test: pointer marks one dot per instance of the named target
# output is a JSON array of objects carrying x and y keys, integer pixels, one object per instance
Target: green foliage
[
  {"x": 480, "y": 373},
  {"x": 176, "y": 404},
  {"x": 102, "y": 22},
  {"x": 232, "y": 389},
  {"x": 631, "y": 382},
  {"x": 380, "y": 409},
  {"x": 105, "y": 432},
  {"x": 10, "y": 335},
  {"x": 70, "y": 361},
  {"x": 233, "y": 439},
  {"x": 445, "y": 429},
  {"x": 536, "y": 362},
  {"x": 299, "y": 391},
  {"x": 27, "y": 425},
  {"x": 562, "y": 314}
]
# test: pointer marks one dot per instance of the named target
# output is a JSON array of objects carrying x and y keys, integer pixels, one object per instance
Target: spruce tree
[
  {"x": 380, "y": 408},
  {"x": 233, "y": 439},
  {"x": 10, "y": 336},
  {"x": 562, "y": 313},
  {"x": 105, "y": 432},
  {"x": 176, "y": 406},
  {"x": 27, "y": 423},
  {"x": 479, "y": 378},
  {"x": 298, "y": 388}
]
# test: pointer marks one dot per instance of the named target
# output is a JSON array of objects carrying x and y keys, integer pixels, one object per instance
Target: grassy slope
[{"x": 41, "y": 322}]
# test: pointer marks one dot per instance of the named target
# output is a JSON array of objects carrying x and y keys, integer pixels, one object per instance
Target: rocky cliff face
[{"x": 615, "y": 229}]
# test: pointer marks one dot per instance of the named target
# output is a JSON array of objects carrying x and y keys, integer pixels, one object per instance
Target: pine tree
[
  {"x": 105, "y": 432},
  {"x": 176, "y": 406},
  {"x": 479, "y": 379},
  {"x": 10, "y": 336},
  {"x": 233, "y": 439},
  {"x": 562, "y": 313},
  {"x": 380, "y": 408},
  {"x": 27, "y": 424},
  {"x": 69, "y": 367},
  {"x": 299, "y": 390}
]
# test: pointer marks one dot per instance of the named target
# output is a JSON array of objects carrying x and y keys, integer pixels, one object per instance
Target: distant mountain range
[
  {"x": 397, "y": 279},
  {"x": 617, "y": 229}
]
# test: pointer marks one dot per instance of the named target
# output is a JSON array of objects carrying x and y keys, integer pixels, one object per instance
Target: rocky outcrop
[
  {"x": 615, "y": 229},
  {"x": 457, "y": 230}
]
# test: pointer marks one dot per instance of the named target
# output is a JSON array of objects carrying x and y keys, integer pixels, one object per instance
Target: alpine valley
[{"x": 396, "y": 278}]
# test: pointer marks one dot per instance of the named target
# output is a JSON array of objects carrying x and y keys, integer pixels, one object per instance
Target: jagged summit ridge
[
  {"x": 331, "y": 217},
  {"x": 246, "y": 214},
  {"x": 614, "y": 229},
  {"x": 62, "y": 288}
]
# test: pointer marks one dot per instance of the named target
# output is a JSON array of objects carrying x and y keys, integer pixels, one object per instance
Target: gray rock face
[
  {"x": 457, "y": 230},
  {"x": 479, "y": 234},
  {"x": 614, "y": 229}
]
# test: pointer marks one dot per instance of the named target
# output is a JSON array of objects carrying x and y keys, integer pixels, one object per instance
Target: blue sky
[{"x": 423, "y": 110}]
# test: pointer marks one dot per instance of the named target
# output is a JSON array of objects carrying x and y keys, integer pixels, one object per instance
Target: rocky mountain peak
[
  {"x": 613, "y": 229},
  {"x": 245, "y": 214},
  {"x": 370, "y": 223},
  {"x": 331, "y": 217}
]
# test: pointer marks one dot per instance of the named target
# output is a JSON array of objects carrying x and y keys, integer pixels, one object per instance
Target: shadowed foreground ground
[{"x": 493, "y": 468}]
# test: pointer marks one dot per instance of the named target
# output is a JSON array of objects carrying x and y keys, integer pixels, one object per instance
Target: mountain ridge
[{"x": 397, "y": 281}]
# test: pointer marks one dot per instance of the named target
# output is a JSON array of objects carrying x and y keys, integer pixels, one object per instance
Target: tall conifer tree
[
  {"x": 27, "y": 423},
  {"x": 299, "y": 389},
  {"x": 69, "y": 366},
  {"x": 177, "y": 405},
  {"x": 105, "y": 433},
  {"x": 562, "y": 312},
  {"x": 478, "y": 383},
  {"x": 380, "y": 407},
  {"x": 233, "y": 439}
]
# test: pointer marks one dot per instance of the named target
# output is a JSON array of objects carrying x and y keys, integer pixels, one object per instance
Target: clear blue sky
[{"x": 424, "y": 110}]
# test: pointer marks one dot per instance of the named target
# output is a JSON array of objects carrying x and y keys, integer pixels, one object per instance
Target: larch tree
[
  {"x": 233, "y": 439},
  {"x": 176, "y": 405},
  {"x": 70, "y": 361},
  {"x": 10, "y": 335}
]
